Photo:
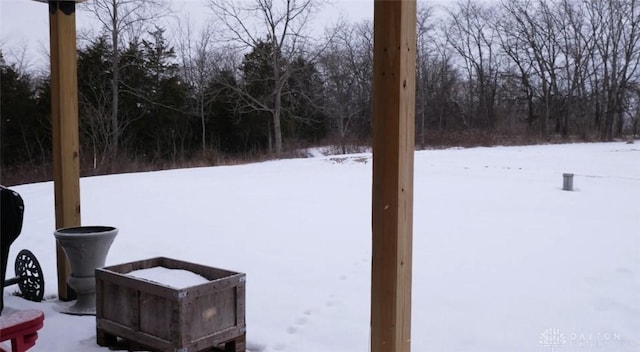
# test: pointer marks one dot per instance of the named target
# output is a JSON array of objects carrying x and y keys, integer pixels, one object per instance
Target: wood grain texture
[
  {"x": 163, "y": 318},
  {"x": 64, "y": 116},
  {"x": 393, "y": 151}
]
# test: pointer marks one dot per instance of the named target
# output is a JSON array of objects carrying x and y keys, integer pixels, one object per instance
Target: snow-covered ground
[{"x": 504, "y": 260}]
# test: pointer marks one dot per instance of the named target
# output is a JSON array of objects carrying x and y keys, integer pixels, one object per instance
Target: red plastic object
[{"x": 21, "y": 328}]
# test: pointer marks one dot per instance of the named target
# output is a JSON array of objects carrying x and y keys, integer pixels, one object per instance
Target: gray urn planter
[{"x": 86, "y": 248}]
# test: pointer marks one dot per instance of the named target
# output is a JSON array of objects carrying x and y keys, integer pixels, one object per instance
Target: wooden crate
[{"x": 163, "y": 318}]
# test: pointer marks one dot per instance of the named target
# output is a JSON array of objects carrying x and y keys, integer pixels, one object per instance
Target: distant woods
[{"x": 261, "y": 80}]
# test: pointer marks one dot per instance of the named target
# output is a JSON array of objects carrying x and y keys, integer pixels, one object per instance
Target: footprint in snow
[
  {"x": 330, "y": 303},
  {"x": 604, "y": 304},
  {"x": 254, "y": 347},
  {"x": 624, "y": 271}
]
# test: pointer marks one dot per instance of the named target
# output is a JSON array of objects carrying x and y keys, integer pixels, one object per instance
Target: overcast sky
[{"x": 24, "y": 24}]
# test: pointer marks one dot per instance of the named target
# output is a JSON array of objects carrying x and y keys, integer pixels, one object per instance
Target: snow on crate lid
[{"x": 176, "y": 278}]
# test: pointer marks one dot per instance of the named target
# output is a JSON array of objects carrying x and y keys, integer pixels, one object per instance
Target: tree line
[{"x": 258, "y": 80}]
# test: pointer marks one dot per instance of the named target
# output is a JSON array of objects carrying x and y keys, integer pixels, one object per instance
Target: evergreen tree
[
  {"x": 257, "y": 99},
  {"x": 24, "y": 128},
  {"x": 223, "y": 122},
  {"x": 304, "y": 119},
  {"x": 154, "y": 98},
  {"x": 95, "y": 99}
]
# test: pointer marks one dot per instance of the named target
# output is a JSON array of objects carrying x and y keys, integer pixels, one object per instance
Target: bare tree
[
  {"x": 634, "y": 111},
  {"x": 534, "y": 46},
  {"x": 123, "y": 20},
  {"x": 470, "y": 34},
  {"x": 363, "y": 71},
  {"x": 18, "y": 55},
  {"x": 615, "y": 25},
  {"x": 514, "y": 45},
  {"x": 575, "y": 46},
  {"x": 346, "y": 70},
  {"x": 435, "y": 76},
  {"x": 201, "y": 63},
  {"x": 283, "y": 25},
  {"x": 424, "y": 36}
]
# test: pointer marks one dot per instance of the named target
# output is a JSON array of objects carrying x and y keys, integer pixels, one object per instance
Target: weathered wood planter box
[{"x": 163, "y": 318}]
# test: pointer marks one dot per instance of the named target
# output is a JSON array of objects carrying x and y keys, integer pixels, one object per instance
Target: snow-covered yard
[{"x": 504, "y": 260}]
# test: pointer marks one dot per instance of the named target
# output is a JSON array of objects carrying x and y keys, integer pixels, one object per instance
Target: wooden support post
[
  {"x": 64, "y": 116},
  {"x": 393, "y": 150}
]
